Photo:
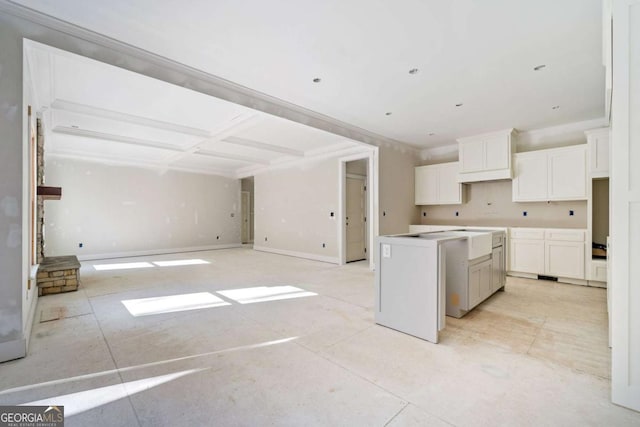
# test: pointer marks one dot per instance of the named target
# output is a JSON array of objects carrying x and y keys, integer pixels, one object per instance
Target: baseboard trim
[
  {"x": 568, "y": 280},
  {"x": 11, "y": 350},
  {"x": 305, "y": 255},
  {"x": 156, "y": 252}
]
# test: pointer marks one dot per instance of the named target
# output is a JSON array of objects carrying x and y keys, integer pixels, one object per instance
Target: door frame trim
[{"x": 372, "y": 203}]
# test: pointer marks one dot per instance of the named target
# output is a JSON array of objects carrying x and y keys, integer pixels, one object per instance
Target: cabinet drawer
[
  {"x": 565, "y": 235},
  {"x": 497, "y": 241},
  {"x": 527, "y": 233}
]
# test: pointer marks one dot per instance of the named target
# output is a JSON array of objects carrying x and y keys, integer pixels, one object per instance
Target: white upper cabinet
[
  {"x": 556, "y": 174},
  {"x": 568, "y": 173},
  {"x": 598, "y": 142},
  {"x": 486, "y": 157},
  {"x": 438, "y": 185},
  {"x": 530, "y": 181}
]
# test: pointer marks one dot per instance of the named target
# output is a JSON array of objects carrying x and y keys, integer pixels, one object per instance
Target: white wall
[
  {"x": 127, "y": 210},
  {"x": 293, "y": 207},
  {"x": 14, "y": 229}
]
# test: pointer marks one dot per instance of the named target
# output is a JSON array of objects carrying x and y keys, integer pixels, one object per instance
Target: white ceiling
[
  {"x": 100, "y": 112},
  {"x": 479, "y": 53}
]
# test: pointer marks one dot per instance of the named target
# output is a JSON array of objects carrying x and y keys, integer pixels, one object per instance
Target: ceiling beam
[
  {"x": 263, "y": 146},
  {"x": 117, "y": 138},
  {"x": 227, "y": 156},
  {"x": 75, "y": 107},
  {"x": 236, "y": 124}
]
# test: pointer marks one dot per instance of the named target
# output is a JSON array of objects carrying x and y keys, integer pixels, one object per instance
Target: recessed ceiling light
[
  {"x": 413, "y": 71},
  {"x": 317, "y": 80},
  {"x": 74, "y": 126},
  {"x": 459, "y": 104},
  {"x": 539, "y": 67},
  {"x": 388, "y": 113},
  {"x": 555, "y": 107}
]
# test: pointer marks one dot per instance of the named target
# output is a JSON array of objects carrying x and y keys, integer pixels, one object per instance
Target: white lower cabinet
[
  {"x": 480, "y": 285},
  {"x": 564, "y": 259},
  {"x": 527, "y": 256},
  {"x": 550, "y": 252}
]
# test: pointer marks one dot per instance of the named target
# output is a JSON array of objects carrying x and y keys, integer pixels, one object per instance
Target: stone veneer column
[{"x": 40, "y": 202}]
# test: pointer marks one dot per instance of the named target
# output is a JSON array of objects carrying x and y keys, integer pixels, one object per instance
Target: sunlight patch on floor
[
  {"x": 265, "y": 293},
  {"x": 172, "y": 303}
]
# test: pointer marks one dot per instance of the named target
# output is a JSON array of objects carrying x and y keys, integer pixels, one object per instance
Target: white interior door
[
  {"x": 355, "y": 219},
  {"x": 625, "y": 206},
  {"x": 246, "y": 208}
]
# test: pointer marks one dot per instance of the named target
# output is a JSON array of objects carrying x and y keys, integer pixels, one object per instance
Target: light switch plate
[{"x": 386, "y": 251}]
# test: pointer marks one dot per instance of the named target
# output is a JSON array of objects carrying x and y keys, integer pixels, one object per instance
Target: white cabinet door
[
  {"x": 471, "y": 156},
  {"x": 426, "y": 182},
  {"x": 564, "y": 259},
  {"x": 437, "y": 184},
  {"x": 530, "y": 181},
  {"x": 598, "y": 141},
  {"x": 497, "y": 268},
  {"x": 496, "y": 153},
  {"x": 527, "y": 256},
  {"x": 449, "y": 189},
  {"x": 568, "y": 173}
]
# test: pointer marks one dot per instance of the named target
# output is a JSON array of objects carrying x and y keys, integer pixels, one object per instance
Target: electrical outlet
[
  {"x": 265, "y": 239},
  {"x": 524, "y": 213},
  {"x": 571, "y": 212},
  {"x": 384, "y": 213},
  {"x": 332, "y": 214},
  {"x": 324, "y": 245},
  {"x": 217, "y": 237},
  {"x": 457, "y": 214},
  {"x": 80, "y": 245},
  {"x": 424, "y": 214}
]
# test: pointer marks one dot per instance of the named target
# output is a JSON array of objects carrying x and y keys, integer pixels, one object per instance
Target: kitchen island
[{"x": 421, "y": 277}]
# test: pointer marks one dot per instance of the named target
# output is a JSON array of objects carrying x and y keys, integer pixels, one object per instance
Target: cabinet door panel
[
  {"x": 565, "y": 259},
  {"x": 496, "y": 152},
  {"x": 568, "y": 174},
  {"x": 486, "y": 288},
  {"x": 449, "y": 189},
  {"x": 497, "y": 268},
  {"x": 426, "y": 182},
  {"x": 530, "y": 182},
  {"x": 527, "y": 256},
  {"x": 474, "y": 286},
  {"x": 471, "y": 156}
]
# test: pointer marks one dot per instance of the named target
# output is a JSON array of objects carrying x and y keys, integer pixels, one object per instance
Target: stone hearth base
[{"x": 58, "y": 274}]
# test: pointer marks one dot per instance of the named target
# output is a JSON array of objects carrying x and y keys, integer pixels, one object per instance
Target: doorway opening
[
  {"x": 356, "y": 211},
  {"x": 247, "y": 212}
]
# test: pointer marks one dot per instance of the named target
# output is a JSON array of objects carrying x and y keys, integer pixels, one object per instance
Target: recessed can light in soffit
[
  {"x": 459, "y": 104},
  {"x": 388, "y": 113},
  {"x": 413, "y": 71},
  {"x": 555, "y": 107},
  {"x": 317, "y": 80},
  {"x": 431, "y": 134},
  {"x": 539, "y": 67}
]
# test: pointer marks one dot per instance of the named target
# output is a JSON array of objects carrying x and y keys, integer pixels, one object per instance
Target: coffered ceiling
[{"x": 99, "y": 112}]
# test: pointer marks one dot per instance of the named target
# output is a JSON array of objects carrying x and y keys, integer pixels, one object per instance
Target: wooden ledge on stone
[{"x": 58, "y": 274}]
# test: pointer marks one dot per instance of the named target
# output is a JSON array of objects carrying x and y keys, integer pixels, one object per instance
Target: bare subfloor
[{"x": 535, "y": 355}]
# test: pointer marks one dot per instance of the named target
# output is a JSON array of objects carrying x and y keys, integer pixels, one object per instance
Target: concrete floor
[{"x": 534, "y": 355}]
